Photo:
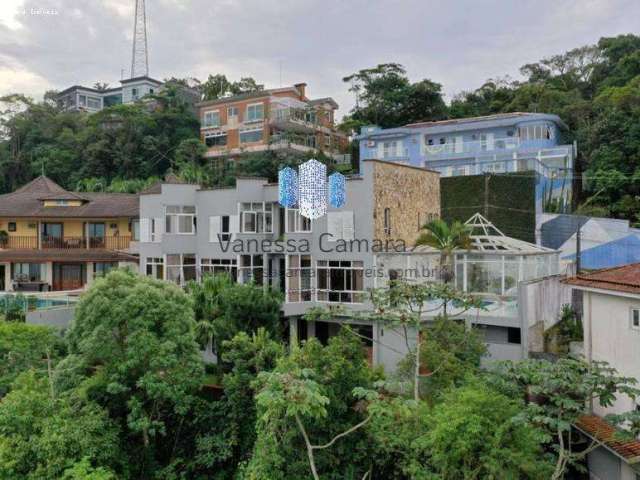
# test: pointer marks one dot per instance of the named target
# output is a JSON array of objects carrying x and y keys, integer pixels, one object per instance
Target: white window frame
[
  {"x": 325, "y": 266},
  {"x": 254, "y": 106},
  {"x": 233, "y": 109},
  {"x": 251, "y": 130},
  {"x": 251, "y": 268},
  {"x": 297, "y": 272},
  {"x": 210, "y": 265},
  {"x": 178, "y": 215},
  {"x": 632, "y": 325},
  {"x": 210, "y": 114},
  {"x": 256, "y": 211},
  {"x": 181, "y": 266},
  {"x": 154, "y": 263},
  {"x": 386, "y": 215},
  {"x": 299, "y": 222}
]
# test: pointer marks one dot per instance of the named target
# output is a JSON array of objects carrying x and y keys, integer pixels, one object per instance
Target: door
[
  {"x": 52, "y": 235},
  {"x": 96, "y": 235},
  {"x": 3, "y": 272},
  {"x": 68, "y": 276}
]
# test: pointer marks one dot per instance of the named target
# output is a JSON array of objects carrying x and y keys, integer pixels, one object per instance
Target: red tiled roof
[
  {"x": 621, "y": 279},
  {"x": 599, "y": 429}
]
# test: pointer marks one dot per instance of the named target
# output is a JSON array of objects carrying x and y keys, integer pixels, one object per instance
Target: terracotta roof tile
[
  {"x": 599, "y": 429},
  {"x": 621, "y": 279}
]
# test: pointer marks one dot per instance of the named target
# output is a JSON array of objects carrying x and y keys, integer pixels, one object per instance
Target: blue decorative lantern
[
  {"x": 337, "y": 190},
  {"x": 312, "y": 200},
  {"x": 288, "y": 187}
]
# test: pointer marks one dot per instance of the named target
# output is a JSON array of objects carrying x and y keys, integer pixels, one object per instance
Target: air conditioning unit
[{"x": 371, "y": 143}]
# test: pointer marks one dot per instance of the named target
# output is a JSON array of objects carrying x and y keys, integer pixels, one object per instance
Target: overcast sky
[{"x": 458, "y": 43}]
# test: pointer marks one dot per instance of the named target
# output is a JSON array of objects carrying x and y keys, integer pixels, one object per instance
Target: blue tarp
[{"x": 623, "y": 251}]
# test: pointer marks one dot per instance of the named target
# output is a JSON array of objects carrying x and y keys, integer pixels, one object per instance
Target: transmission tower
[{"x": 140, "y": 56}]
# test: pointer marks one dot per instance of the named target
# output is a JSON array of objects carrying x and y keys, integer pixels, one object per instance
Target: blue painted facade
[{"x": 512, "y": 142}]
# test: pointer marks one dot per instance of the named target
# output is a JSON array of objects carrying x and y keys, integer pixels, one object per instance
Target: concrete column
[
  {"x": 311, "y": 329},
  {"x": 293, "y": 331},
  {"x": 89, "y": 272},
  {"x": 7, "y": 276}
]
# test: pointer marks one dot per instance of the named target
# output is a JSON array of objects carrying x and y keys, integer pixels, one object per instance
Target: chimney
[{"x": 302, "y": 89}]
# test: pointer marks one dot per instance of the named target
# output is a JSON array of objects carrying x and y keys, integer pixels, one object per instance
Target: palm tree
[{"x": 439, "y": 235}]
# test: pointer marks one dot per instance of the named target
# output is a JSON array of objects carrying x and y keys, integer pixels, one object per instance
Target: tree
[
  {"x": 558, "y": 393},
  {"x": 218, "y": 86},
  {"x": 311, "y": 413},
  {"x": 42, "y": 435},
  {"x": 439, "y": 235},
  {"x": 133, "y": 350},
  {"x": 224, "y": 308},
  {"x": 386, "y": 97},
  {"x": 403, "y": 307},
  {"x": 25, "y": 347}
]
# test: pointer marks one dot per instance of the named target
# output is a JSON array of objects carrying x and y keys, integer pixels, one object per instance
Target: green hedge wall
[{"x": 508, "y": 200}]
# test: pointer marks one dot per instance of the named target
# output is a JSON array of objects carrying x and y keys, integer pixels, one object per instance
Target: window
[
  {"x": 100, "y": 269},
  {"x": 458, "y": 171},
  {"x": 151, "y": 90},
  {"x": 535, "y": 132},
  {"x": 134, "y": 228},
  {"x": 443, "y": 141},
  {"x": 215, "y": 139},
  {"x": 232, "y": 112},
  {"x": 181, "y": 268},
  {"x": 251, "y": 269},
  {"x": 211, "y": 119},
  {"x": 299, "y": 274},
  {"x": 296, "y": 223},
  {"x": 28, "y": 272},
  {"x": 255, "y": 112},
  {"x": 340, "y": 226},
  {"x": 220, "y": 228},
  {"x": 134, "y": 93},
  {"x": 387, "y": 221},
  {"x": 94, "y": 103},
  {"x": 82, "y": 100},
  {"x": 12, "y": 226},
  {"x": 251, "y": 135},
  {"x": 155, "y": 268},
  {"x": 635, "y": 318},
  {"x": 216, "y": 266},
  {"x": 180, "y": 219},
  {"x": 256, "y": 217},
  {"x": 389, "y": 149},
  {"x": 340, "y": 281}
]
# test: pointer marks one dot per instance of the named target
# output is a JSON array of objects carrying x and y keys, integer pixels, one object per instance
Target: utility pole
[{"x": 140, "y": 56}]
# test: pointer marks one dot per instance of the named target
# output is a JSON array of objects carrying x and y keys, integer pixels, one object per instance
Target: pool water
[{"x": 32, "y": 302}]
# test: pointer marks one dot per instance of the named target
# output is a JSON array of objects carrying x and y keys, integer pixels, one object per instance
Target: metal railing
[{"x": 65, "y": 243}]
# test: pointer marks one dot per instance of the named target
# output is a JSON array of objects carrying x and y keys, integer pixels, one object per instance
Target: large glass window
[
  {"x": 155, "y": 267},
  {"x": 296, "y": 223},
  {"x": 255, "y": 112},
  {"x": 251, "y": 135},
  {"x": 181, "y": 268},
  {"x": 211, "y": 119},
  {"x": 340, "y": 281},
  {"x": 299, "y": 274},
  {"x": 100, "y": 269},
  {"x": 256, "y": 217},
  {"x": 251, "y": 269},
  {"x": 216, "y": 266},
  {"x": 180, "y": 219},
  {"x": 215, "y": 139},
  {"x": 28, "y": 272}
]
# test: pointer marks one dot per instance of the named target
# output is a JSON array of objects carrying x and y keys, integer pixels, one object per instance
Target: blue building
[{"x": 509, "y": 142}]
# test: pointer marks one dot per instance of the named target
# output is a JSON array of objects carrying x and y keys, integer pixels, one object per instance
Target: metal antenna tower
[{"x": 140, "y": 55}]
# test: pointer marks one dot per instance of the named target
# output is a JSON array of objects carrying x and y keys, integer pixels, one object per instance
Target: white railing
[{"x": 489, "y": 145}]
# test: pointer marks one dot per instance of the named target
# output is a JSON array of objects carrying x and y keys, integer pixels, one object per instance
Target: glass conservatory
[{"x": 496, "y": 263}]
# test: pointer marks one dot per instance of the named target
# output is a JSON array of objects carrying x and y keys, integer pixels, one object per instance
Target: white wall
[{"x": 608, "y": 336}]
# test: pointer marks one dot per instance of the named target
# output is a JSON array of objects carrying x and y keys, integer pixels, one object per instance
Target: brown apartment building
[
  {"x": 53, "y": 239},
  {"x": 274, "y": 119}
]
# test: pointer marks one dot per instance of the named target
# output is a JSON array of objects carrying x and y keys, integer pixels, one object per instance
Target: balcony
[
  {"x": 294, "y": 119},
  {"x": 476, "y": 148},
  {"x": 65, "y": 243}
]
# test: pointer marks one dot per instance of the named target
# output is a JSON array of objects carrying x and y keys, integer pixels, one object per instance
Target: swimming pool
[{"x": 30, "y": 302}]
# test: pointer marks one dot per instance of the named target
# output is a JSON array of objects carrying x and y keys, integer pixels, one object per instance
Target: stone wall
[{"x": 412, "y": 196}]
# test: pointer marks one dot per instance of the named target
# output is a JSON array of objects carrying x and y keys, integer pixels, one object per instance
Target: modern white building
[{"x": 611, "y": 322}]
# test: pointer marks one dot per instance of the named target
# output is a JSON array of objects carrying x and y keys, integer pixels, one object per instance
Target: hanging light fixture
[
  {"x": 337, "y": 188},
  {"x": 288, "y": 187},
  {"x": 313, "y": 189}
]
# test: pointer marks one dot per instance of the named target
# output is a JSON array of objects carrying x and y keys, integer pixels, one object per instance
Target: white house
[{"x": 611, "y": 322}]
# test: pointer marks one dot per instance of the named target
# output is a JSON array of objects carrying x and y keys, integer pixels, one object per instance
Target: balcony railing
[
  {"x": 65, "y": 243},
  {"x": 507, "y": 143}
]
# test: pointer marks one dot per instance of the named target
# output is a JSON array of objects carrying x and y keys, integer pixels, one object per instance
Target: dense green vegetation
[{"x": 123, "y": 394}]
